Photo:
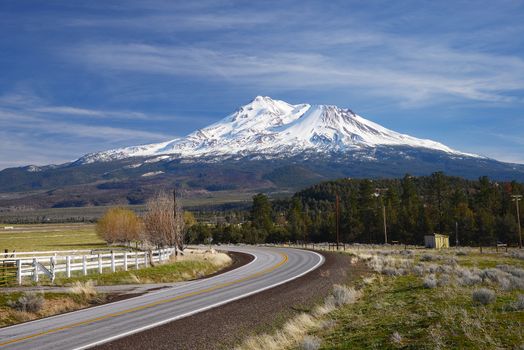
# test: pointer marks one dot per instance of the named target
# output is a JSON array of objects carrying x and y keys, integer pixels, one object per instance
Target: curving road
[{"x": 89, "y": 327}]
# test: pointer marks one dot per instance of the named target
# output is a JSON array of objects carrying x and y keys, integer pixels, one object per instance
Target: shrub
[
  {"x": 483, "y": 296},
  {"x": 433, "y": 268},
  {"x": 418, "y": 270},
  {"x": 391, "y": 271},
  {"x": 430, "y": 282},
  {"x": 444, "y": 280},
  {"x": 516, "y": 283},
  {"x": 517, "y": 305},
  {"x": 468, "y": 278},
  {"x": 344, "y": 295},
  {"x": 427, "y": 257},
  {"x": 517, "y": 255},
  {"x": 28, "y": 302},
  {"x": 310, "y": 343},
  {"x": 496, "y": 276}
]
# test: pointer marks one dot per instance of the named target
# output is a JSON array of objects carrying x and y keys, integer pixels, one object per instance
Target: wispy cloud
[
  {"x": 30, "y": 136},
  {"x": 407, "y": 70}
]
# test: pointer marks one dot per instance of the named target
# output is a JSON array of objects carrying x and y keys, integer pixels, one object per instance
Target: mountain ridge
[
  {"x": 278, "y": 129},
  {"x": 267, "y": 146}
]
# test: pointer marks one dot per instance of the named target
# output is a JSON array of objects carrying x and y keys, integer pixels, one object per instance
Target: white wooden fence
[{"x": 36, "y": 264}]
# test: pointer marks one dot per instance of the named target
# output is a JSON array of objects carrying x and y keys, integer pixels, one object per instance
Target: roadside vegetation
[
  {"x": 81, "y": 292},
  {"x": 19, "y": 307},
  {"x": 192, "y": 265},
  {"x": 415, "y": 299}
]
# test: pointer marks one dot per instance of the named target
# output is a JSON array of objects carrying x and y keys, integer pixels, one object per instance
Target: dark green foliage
[
  {"x": 481, "y": 210},
  {"x": 261, "y": 213}
]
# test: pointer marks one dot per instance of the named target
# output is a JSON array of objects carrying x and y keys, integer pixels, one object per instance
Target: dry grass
[
  {"x": 218, "y": 259},
  {"x": 24, "y": 307},
  {"x": 294, "y": 333},
  {"x": 85, "y": 292},
  {"x": 396, "y": 311}
]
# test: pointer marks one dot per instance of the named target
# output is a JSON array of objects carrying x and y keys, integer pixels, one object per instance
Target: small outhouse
[{"x": 436, "y": 241}]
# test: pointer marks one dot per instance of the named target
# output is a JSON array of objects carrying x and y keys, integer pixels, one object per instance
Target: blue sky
[{"x": 85, "y": 76}]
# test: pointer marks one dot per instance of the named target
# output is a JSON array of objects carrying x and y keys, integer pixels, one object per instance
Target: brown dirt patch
[{"x": 227, "y": 325}]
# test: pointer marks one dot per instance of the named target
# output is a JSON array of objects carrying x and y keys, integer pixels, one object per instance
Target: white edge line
[
  {"x": 146, "y": 294},
  {"x": 159, "y": 323}
]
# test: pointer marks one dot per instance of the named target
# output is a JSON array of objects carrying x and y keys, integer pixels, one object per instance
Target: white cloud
[{"x": 407, "y": 70}]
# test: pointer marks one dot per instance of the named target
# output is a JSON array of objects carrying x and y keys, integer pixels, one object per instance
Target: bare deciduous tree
[
  {"x": 164, "y": 226},
  {"x": 119, "y": 225}
]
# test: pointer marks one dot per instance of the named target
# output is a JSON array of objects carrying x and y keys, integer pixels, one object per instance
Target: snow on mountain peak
[{"x": 278, "y": 129}]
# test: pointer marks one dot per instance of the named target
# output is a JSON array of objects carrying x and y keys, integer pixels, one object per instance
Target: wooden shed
[{"x": 436, "y": 241}]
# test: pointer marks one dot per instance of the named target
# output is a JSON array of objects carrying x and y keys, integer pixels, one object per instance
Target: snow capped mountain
[{"x": 278, "y": 129}]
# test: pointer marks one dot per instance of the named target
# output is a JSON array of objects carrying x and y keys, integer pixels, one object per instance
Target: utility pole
[
  {"x": 385, "y": 226},
  {"x": 516, "y": 199},
  {"x": 338, "y": 219},
  {"x": 456, "y": 234},
  {"x": 175, "y": 219},
  {"x": 379, "y": 192}
]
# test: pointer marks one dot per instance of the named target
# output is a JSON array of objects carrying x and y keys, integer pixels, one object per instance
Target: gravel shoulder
[{"x": 227, "y": 325}]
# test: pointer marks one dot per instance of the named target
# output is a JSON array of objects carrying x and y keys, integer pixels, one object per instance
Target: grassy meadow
[
  {"x": 25, "y": 238},
  {"x": 415, "y": 299}
]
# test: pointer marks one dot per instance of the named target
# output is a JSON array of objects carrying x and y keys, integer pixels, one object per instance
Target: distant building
[{"x": 436, "y": 241}]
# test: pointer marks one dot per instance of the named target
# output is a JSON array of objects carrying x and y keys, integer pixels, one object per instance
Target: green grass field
[
  {"x": 24, "y": 238},
  {"x": 401, "y": 309},
  {"x": 414, "y": 299}
]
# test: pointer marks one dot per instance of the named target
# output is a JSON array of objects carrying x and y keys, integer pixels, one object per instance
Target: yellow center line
[{"x": 150, "y": 305}]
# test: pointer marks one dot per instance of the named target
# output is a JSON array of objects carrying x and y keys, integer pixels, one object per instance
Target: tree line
[{"x": 474, "y": 212}]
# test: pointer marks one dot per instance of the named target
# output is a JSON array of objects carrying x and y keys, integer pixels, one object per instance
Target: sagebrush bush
[
  {"x": 344, "y": 295},
  {"x": 483, "y": 296},
  {"x": 427, "y": 257},
  {"x": 28, "y": 302},
  {"x": 430, "y": 282},
  {"x": 418, "y": 270},
  {"x": 444, "y": 280},
  {"x": 517, "y": 255},
  {"x": 468, "y": 278},
  {"x": 391, "y": 271},
  {"x": 517, "y": 305}
]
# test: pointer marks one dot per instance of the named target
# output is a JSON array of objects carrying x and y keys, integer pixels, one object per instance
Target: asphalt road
[{"x": 89, "y": 327}]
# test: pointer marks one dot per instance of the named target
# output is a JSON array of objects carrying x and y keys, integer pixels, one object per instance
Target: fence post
[
  {"x": 84, "y": 265},
  {"x": 52, "y": 267},
  {"x": 113, "y": 269},
  {"x": 125, "y": 261},
  {"x": 136, "y": 260},
  {"x": 145, "y": 259},
  {"x": 68, "y": 266},
  {"x": 35, "y": 270},
  {"x": 19, "y": 271},
  {"x": 99, "y": 263}
]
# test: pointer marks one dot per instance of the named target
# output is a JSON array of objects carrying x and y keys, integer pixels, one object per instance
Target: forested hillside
[{"x": 481, "y": 211}]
